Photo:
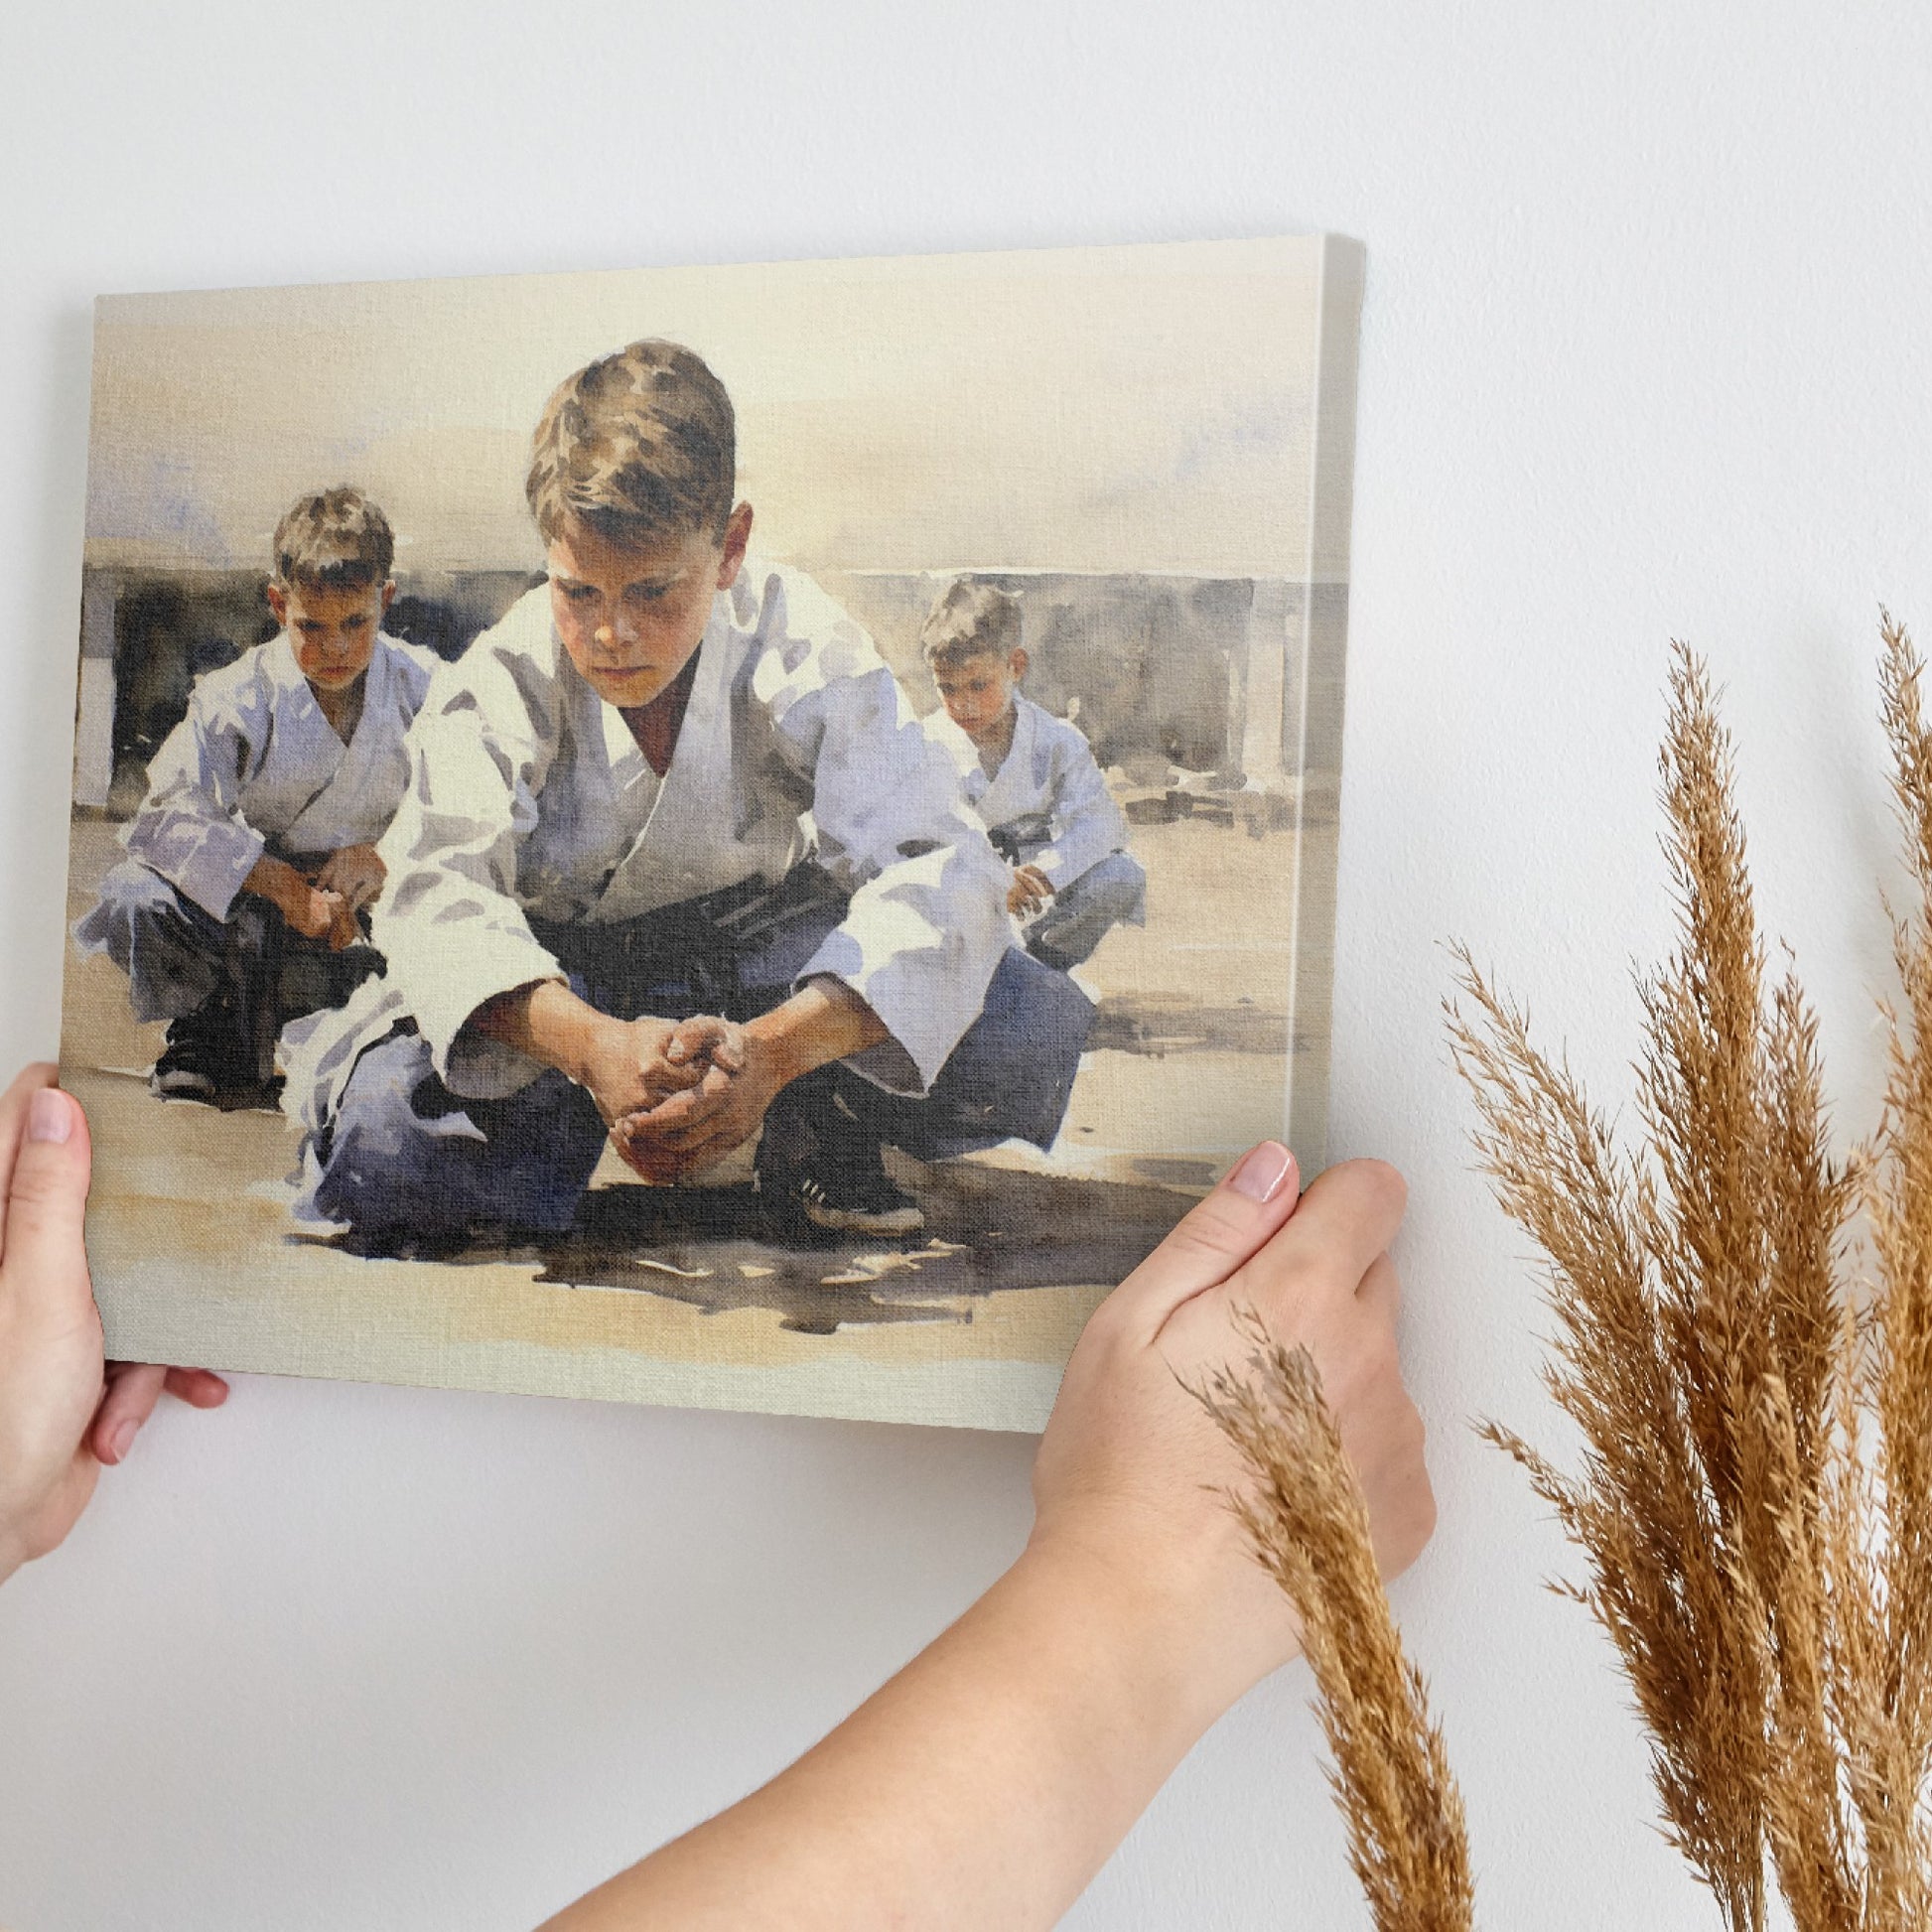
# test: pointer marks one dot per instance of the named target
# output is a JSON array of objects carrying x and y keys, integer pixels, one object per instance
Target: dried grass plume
[
  {"x": 1754, "y": 1497},
  {"x": 1307, "y": 1521}
]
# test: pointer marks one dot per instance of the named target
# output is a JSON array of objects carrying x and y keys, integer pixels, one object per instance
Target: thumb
[
  {"x": 44, "y": 1261},
  {"x": 705, "y": 1033}
]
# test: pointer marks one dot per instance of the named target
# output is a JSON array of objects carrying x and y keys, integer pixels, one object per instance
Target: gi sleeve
[
  {"x": 1087, "y": 822},
  {"x": 926, "y": 923},
  {"x": 190, "y": 828},
  {"x": 448, "y": 921}
]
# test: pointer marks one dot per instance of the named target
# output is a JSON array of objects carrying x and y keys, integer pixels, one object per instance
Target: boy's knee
[
  {"x": 373, "y": 1166},
  {"x": 379, "y": 1098},
  {"x": 135, "y": 894},
  {"x": 407, "y": 1160},
  {"x": 1124, "y": 880}
]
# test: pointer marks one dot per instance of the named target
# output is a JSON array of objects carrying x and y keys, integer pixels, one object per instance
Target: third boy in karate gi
[
  {"x": 678, "y": 867},
  {"x": 252, "y": 859},
  {"x": 1032, "y": 778}
]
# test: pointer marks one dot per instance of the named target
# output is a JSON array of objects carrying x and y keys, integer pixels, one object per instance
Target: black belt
[{"x": 691, "y": 943}]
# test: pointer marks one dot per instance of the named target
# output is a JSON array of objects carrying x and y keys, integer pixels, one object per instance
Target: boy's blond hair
[
  {"x": 970, "y": 621},
  {"x": 640, "y": 445},
  {"x": 335, "y": 540}
]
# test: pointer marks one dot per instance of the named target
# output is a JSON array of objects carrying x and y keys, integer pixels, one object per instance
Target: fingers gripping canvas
[{"x": 744, "y": 837}]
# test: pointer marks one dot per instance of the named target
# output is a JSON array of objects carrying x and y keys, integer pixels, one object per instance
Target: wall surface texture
[{"x": 1643, "y": 356}]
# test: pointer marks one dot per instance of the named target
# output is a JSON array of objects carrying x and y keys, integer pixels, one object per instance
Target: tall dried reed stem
[
  {"x": 1309, "y": 1525},
  {"x": 1754, "y": 1496}
]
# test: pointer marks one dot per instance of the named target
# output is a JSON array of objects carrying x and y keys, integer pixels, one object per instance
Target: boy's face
[
  {"x": 978, "y": 691},
  {"x": 631, "y": 618},
  {"x": 333, "y": 630}
]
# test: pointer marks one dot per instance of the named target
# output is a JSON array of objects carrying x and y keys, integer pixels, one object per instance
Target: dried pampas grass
[
  {"x": 1308, "y": 1526},
  {"x": 1755, "y": 1499}
]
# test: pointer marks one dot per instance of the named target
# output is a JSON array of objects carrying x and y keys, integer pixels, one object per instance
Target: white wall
[{"x": 1643, "y": 355}]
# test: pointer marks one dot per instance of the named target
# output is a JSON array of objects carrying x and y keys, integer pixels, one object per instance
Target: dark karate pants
[
  {"x": 245, "y": 978},
  {"x": 407, "y": 1157}
]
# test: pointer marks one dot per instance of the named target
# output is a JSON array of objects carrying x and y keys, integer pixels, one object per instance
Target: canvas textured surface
[{"x": 1149, "y": 449}]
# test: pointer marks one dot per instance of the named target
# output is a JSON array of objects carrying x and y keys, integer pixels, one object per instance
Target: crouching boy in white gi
[
  {"x": 677, "y": 865},
  {"x": 1032, "y": 778},
  {"x": 253, "y": 860}
]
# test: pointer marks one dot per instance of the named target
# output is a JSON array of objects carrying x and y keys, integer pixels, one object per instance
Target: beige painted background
[{"x": 1103, "y": 410}]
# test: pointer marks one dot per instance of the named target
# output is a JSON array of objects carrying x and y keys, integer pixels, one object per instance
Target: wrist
[
  {"x": 271, "y": 878},
  {"x": 824, "y": 1020},
  {"x": 580, "y": 1045},
  {"x": 1140, "y": 1626},
  {"x": 776, "y": 1052},
  {"x": 552, "y": 1025}
]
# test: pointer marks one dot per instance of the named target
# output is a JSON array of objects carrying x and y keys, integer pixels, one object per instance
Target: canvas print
[{"x": 741, "y": 837}]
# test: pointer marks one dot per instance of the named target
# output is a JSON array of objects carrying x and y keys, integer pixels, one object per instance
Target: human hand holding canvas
[
  {"x": 64, "y": 1411},
  {"x": 1129, "y": 1452},
  {"x": 987, "y": 1782}
]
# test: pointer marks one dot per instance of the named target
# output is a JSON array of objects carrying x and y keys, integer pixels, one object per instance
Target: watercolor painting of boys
[
  {"x": 1033, "y": 780},
  {"x": 773, "y": 868},
  {"x": 251, "y": 864}
]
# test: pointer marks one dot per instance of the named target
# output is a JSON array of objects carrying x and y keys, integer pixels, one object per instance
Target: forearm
[
  {"x": 823, "y": 1020},
  {"x": 983, "y": 1786},
  {"x": 548, "y": 1022},
  {"x": 274, "y": 880}
]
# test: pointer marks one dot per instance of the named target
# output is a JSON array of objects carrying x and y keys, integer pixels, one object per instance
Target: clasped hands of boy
[
  {"x": 324, "y": 905},
  {"x": 679, "y": 1094},
  {"x": 1048, "y": 1716}
]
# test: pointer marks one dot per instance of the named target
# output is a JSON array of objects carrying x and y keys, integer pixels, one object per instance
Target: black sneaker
[
  {"x": 205, "y": 1059},
  {"x": 183, "y": 1071},
  {"x": 820, "y": 1166},
  {"x": 837, "y": 1203}
]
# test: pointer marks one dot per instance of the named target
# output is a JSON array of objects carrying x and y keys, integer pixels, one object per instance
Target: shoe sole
[
  {"x": 858, "y": 1220},
  {"x": 228, "y": 1100},
  {"x": 180, "y": 1086}
]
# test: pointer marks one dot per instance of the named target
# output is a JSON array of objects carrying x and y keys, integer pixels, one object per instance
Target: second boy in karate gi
[
  {"x": 1032, "y": 778},
  {"x": 252, "y": 858},
  {"x": 677, "y": 866}
]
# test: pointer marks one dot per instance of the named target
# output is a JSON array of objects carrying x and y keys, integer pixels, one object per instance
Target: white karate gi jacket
[
  {"x": 528, "y": 794},
  {"x": 254, "y": 767},
  {"x": 1049, "y": 773}
]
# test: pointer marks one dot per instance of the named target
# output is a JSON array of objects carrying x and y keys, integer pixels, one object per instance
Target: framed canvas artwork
[{"x": 744, "y": 837}]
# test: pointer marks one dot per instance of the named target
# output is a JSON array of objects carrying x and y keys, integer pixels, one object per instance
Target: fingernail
[
  {"x": 122, "y": 1439},
  {"x": 50, "y": 1116},
  {"x": 1262, "y": 1170}
]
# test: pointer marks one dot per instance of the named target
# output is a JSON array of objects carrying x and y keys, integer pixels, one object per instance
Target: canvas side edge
[
  {"x": 90, "y": 761},
  {"x": 1317, "y": 743},
  {"x": 992, "y": 1396}
]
